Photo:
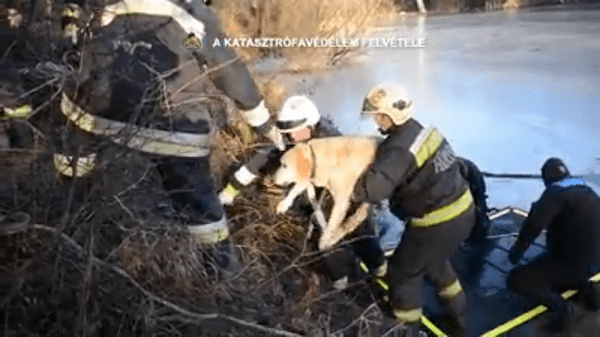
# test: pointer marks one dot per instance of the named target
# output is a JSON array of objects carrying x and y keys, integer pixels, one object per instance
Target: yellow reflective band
[
  {"x": 445, "y": 213},
  {"x": 71, "y": 28},
  {"x": 425, "y": 145},
  {"x": 69, "y": 13},
  {"x": 451, "y": 290},
  {"x": 211, "y": 233},
  {"x": 180, "y": 144},
  {"x": 531, "y": 314},
  {"x": 429, "y": 325},
  {"x": 19, "y": 112},
  {"x": 192, "y": 42},
  {"x": 377, "y": 279},
  {"x": 231, "y": 190},
  {"x": 82, "y": 167},
  {"x": 408, "y": 315},
  {"x": 214, "y": 236}
]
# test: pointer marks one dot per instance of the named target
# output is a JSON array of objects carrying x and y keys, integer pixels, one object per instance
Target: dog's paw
[
  {"x": 283, "y": 206},
  {"x": 327, "y": 241}
]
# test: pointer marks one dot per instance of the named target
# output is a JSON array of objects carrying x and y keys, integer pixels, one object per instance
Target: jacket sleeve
[
  {"x": 540, "y": 216},
  {"x": 228, "y": 73},
  {"x": 389, "y": 170}
]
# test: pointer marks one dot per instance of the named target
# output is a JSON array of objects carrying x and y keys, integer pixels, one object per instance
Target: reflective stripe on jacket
[
  {"x": 152, "y": 141},
  {"x": 417, "y": 170}
]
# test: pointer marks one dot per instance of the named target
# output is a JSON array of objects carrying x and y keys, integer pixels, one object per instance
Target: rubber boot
[
  {"x": 589, "y": 296},
  {"x": 412, "y": 330},
  {"x": 456, "y": 307},
  {"x": 191, "y": 188},
  {"x": 565, "y": 318},
  {"x": 222, "y": 253}
]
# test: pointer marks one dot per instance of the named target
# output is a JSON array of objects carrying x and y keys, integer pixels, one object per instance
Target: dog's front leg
[
  {"x": 288, "y": 201},
  {"x": 312, "y": 196}
]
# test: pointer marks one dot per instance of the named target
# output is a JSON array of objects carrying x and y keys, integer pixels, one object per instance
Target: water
[{"x": 508, "y": 89}]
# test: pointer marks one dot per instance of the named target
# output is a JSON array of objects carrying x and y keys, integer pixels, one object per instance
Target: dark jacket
[
  {"x": 473, "y": 175},
  {"x": 415, "y": 179},
  {"x": 142, "y": 58},
  {"x": 570, "y": 211}
]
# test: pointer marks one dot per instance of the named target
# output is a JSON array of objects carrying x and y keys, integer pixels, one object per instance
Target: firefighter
[
  {"x": 416, "y": 168},
  {"x": 569, "y": 209},
  {"x": 15, "y": 106},
  {"x": 473, "y": 175},
  {"x": 299, "y": 120},
  {"x": 140, "y": 86}
]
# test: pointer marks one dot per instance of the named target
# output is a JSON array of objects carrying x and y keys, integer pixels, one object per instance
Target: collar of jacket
[{"x": 398, "y": 128}]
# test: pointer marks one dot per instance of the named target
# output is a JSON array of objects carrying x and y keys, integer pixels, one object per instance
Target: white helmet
[
  {"x": 297, "y": 112},
  {"x": 391, "y": 100}
]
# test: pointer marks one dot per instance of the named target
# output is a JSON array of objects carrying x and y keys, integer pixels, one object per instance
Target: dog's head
[{"x": 296, "y": 166}]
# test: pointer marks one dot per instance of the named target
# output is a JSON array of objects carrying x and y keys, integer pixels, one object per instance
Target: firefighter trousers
[{"x": 426, "y": 251}]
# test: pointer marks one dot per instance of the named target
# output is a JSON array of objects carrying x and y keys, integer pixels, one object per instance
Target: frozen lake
[{"x": 508, "y": 89}]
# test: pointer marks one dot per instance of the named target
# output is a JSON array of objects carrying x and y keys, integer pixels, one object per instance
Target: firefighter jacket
[
  {"x": 416, "y": 168},
  {"x": 570, "y": 211},
  {"x": 142, "y": 78}
]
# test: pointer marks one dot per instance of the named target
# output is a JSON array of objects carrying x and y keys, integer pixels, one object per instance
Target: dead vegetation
[
  {"x": 101, "y": 257},
  {"x": 301, "y": 19},
  {"x": 107, "y": 254}
]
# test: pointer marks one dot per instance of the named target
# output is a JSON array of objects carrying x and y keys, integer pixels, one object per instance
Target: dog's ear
[{"x": 303, "y": 163}]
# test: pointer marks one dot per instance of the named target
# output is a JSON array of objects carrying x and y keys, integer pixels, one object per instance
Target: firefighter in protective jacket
[
  {"x": 139, "y": 85},
  {"x": 569, "y": 209},
  {"x": 416, "y": 168}
]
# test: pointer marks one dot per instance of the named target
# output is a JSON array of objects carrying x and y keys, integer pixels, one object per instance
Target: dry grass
[
  {"x": 512, "y": 4},
  {"x": 300, "y": 19}
]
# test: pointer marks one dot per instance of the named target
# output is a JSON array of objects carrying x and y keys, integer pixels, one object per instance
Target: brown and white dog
[{"x": 334, "y": 163}]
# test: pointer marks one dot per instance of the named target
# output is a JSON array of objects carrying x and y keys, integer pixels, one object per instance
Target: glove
[
  {"x": 228, "y": 194},
  {"x": 515, "y": 254}
]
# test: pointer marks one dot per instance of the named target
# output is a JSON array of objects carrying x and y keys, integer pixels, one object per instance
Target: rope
[
  {"x": 511, "y": 175},
  {"x": 518, "y": 175}
]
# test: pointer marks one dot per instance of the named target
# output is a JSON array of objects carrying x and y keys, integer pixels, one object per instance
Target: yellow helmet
[{"x": 390, "y": 100}]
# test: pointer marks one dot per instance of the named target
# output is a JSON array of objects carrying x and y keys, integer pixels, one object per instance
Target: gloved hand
[
  {"x": 228, "y": 194},
  {"x": 515, "y": 254}
]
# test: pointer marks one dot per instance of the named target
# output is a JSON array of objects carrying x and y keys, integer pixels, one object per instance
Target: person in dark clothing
[
  {"x": 140, "y": 86},
  {"x": 415, "y": 167},
  {"x": 569, "y": 209},
  {"x": 299, "y": 120},
  {"x": 473, "y": 175}
]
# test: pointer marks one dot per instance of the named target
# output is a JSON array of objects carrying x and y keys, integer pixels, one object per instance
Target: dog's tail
[{"x": 331, "y": 236}]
